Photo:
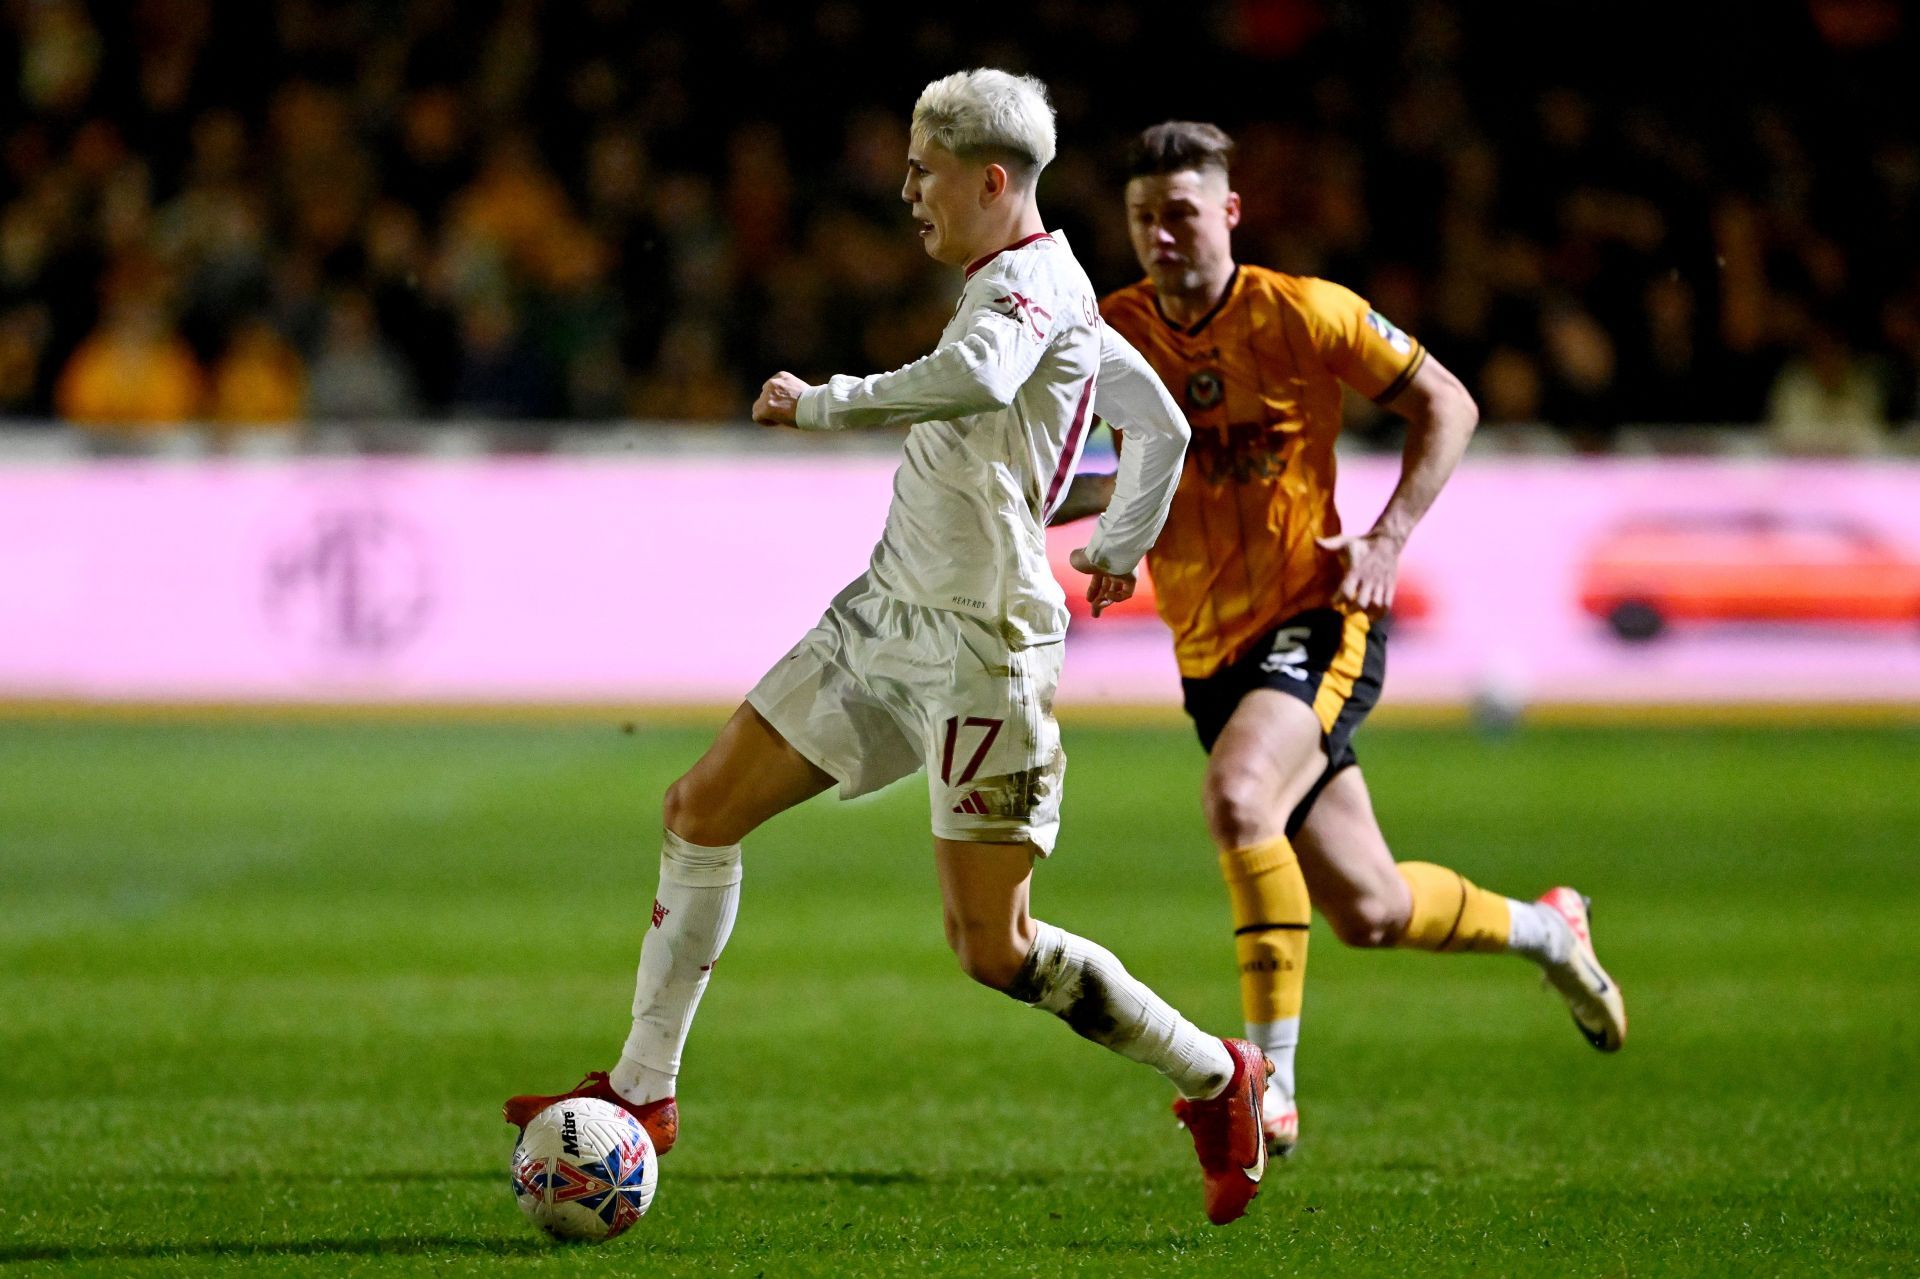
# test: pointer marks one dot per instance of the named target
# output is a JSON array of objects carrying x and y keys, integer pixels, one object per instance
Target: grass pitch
[{"x": 262, "y": 989}]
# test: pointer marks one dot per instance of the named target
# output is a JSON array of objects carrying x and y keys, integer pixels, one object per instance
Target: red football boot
[
  {"x": 1227, "y": 1134},
  {"x": 660, "y": 1118}
]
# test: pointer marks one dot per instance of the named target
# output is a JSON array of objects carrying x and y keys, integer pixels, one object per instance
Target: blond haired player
[
  {"x": 1276, "y": 613},
  {"x": 946, "y": 651}
]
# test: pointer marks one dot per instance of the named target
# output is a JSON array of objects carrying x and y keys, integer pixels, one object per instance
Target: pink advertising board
[{"x": 679, "y": 579}]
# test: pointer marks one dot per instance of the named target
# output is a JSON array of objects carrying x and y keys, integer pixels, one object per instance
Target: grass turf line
[{"x": 264, "y": 987}]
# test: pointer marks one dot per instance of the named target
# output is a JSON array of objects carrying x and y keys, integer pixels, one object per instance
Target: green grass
[{"x": 263, "y": 987}]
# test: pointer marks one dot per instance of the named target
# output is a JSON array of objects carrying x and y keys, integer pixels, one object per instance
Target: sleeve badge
[{"x": 1392, "y": 335}]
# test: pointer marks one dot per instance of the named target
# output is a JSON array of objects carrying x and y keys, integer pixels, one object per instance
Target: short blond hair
[{"x": 986, "y": 113}]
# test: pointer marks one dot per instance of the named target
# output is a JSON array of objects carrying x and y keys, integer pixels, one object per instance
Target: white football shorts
[{"x": 881, "y": 688}]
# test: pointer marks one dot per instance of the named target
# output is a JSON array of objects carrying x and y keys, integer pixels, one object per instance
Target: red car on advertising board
[{"x": 1758, "y": 566}]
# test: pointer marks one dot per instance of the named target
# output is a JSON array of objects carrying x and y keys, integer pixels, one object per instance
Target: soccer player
[
  {"x": 946, "y": 652},
  {"x": 1276, "y": 613}
]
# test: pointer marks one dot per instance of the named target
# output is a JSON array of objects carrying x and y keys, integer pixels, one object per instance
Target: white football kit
[{"x": 947, "y": 651}]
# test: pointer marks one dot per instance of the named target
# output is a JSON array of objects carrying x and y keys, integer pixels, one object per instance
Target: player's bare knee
[
  {"x": 1367, "y": 922},
  {"x": 992, "y": 966},
  {"x": 688, "y": 812},
  {"x": 991, "y": 957},
  {"x": 1239, "y": 808},
  {"x": 676, "y": 806}
]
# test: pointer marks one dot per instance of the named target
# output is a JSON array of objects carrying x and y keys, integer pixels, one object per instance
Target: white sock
[
  {"x": 693, "y": 914},
  {"x": 1085, "y": 986},
  {"x": 1278, "y": 1039},
  {"x": 1538, "y": 932}
]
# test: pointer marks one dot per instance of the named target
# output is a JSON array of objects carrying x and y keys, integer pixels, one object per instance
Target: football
[{"x": 584, "y": 1170}]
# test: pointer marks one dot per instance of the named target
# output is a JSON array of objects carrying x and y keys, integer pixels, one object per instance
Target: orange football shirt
[{"x": 1259, "y": 378}]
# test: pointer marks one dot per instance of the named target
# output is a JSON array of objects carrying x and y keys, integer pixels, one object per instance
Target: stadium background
[
  {"x": 367, "y": 361},
  {"x": 514, "y": 211}
]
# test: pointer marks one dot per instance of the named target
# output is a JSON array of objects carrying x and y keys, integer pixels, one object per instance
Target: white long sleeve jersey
[{"x": 1000, "y": 411}]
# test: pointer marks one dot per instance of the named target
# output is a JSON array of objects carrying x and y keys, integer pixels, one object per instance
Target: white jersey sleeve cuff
[{"x": 810, "y": 414}]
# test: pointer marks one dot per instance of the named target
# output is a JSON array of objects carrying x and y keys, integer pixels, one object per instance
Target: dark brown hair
[{"x": 1179, "y": 144}]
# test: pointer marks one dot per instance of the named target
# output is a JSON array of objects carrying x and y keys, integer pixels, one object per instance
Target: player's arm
[
  {"x": 1441, "y": 416},
  {"x": 1130, "y": 396},
  {"x": 978, "y": 372},
  {"x": 1087, "y": 494}
]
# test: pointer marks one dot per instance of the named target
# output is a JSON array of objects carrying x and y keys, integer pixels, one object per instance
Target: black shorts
[{"x": 1335, "y": 662}]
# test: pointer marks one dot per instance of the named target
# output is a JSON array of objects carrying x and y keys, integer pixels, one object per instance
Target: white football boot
[
  {"x": 1594, "y": 997},
  {"x": 1280, "y": 1123}
]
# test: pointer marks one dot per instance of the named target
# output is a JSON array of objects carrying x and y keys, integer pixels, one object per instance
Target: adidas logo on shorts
[{"x": 973, "y": 805}]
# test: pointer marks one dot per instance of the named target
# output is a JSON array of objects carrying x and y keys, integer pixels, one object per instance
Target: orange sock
[
  {"x": 1270, "y": 914},
  {"x": 1450, "y": 913}
]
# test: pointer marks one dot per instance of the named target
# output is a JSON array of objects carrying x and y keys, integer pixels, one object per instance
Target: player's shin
[
  {"x": 1271, "y": 911},
  {"x": 693, "y": 914},
  {"x": 1085, "y": 986},
  {"x": 1451, "y": 913}
]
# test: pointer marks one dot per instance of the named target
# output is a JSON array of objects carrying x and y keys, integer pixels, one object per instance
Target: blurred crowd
[{"x": 247, "y": 212}]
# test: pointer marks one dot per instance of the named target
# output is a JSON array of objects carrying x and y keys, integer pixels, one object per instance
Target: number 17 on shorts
[{"x": 996, "y": 778}]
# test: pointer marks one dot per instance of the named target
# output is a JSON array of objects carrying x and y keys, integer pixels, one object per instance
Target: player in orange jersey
[{"x": 1278, "y": 615}]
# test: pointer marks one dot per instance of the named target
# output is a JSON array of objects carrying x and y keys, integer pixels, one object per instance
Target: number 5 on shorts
[{"x": 954, "y": 725}]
